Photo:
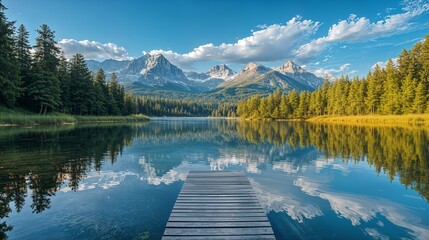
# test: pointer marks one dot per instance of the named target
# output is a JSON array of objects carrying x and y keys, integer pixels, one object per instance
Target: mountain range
[{"x": 155, "y": 75}]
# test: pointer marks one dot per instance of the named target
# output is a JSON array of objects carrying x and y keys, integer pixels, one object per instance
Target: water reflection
[
  {"x": 286, "y": 162},
  {"x": 396, "y": 151},
  {"x": 39, "y": 162}
]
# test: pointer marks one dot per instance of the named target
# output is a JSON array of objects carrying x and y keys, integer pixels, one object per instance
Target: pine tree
[
  {"x": 276, "y": 113},
  {"x": 130, "y": 104},
  {"x": 339, "y": 96},
  {"x": 361, "y": 96},
  {"x": 277, "y": 96},
  {"x": 10, "y": 81},
  {"x": 423, "y": 60},
  {"x": 415, "y": 65},
  {"x": 420, "y": 100},
  {"x": 408, "y": 94},
  {"x": 242, "y": 109},
  {"x": 253, "y": 106},
  {"x": 45, "y": 89},
  {"x": 304, "y": 102},
  {"x": 404, "y": 62},
  {"x": 80, "y": 86},
  {"x": 64, "y": 79},
  {"x": 121, "y": 100},
  {"x": 391, "y": 98},
  {"x": 353, "y": 98},
  {"x": 374, "y": 90},
  {"x": 24, "y": 62},
  {"x": 264, "y": 108},
  {"x": 271, "y": 104},
  {"x": 101, "y": 92},
  {"x": 113, "y": 95},
  {"x": 293, "y": 102},
  {"x": 284, "y": 109},
  {"x": 323, "y": 98}
]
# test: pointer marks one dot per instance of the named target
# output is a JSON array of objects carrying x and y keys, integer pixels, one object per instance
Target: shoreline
[
  {"x": 13, "y": 117},
  {"x": 375, "y": 120},
  {"x": 360, "y": 120}
]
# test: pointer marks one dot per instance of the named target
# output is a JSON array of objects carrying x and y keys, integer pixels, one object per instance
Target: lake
[{"x": 121, "y": 181}]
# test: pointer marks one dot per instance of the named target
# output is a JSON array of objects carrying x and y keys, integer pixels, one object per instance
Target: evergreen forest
[{"x": 401, "y": 87}]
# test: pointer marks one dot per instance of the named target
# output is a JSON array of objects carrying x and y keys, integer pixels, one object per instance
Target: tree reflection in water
[{"x": 39, "y": 162}]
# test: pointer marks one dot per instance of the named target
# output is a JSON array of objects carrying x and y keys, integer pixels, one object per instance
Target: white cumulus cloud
[
  {"x": 93, "y": 50},
  {"x": 360, "y": 29},
  {"x": 383, "y": 64},
  {"x": 296, "y": 209},
  {"x": 270, "y": 43},
  {"x": 359, "y": 209},
  {"x": 334, "y": 73}
]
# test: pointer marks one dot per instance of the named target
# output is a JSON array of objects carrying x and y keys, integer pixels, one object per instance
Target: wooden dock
[{"x": 217, "y": 205}]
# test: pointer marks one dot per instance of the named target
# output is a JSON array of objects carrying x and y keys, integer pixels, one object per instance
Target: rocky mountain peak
[
  {"x": 221, "y": 71},
  {"x": 250, "y": 66},
  {"x": 157, "y": 59},
  {"x": 255, "y": 67},
  {"x": 290, "y": 67}
]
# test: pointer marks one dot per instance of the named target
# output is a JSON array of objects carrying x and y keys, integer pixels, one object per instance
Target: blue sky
[{"x": 326, "y": 37}]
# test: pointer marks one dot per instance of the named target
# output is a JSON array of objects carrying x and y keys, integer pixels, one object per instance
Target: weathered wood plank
[
  {"x": 217, "y": 205},
  {"x": 216, "y": 176},
  {"x": 239, "y": 190},
  {"x": 217, "y": 210},
  {"x": 215, "y": 198},
  {"x": 217, "y": 219},
  {"x": 241, "y": 237},
  {"x": 216, "y": 173},
  {"x": 217, "y": 186},
  {"x": 200, "y": 186},
  {"x": 207, "y": 191},
  {"x": 217, "y": 224},
  {"x": 217, "y": 214},
  {"x": 203, "y": 200},
  {"x": 219, "y": 179},
  {"x": 219, "y": 194},
  {"x": 213, "y": 201},
  {"x": 217, "y": 231}
]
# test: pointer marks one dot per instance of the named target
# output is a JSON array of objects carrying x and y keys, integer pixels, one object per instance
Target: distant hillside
[{"x": 154, "y": 75}]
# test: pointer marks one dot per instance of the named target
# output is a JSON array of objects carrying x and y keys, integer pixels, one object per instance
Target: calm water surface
[{"x": 121, "y": 181}]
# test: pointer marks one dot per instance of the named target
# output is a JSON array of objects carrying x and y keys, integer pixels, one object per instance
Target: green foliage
[
  {"x": 65, "y": 82},
  {"x": 101, "y": 93},
  {"x": 80, "y": 86},
  {"x": 10, "y": 81},
  {"x": 153, "y": 106},
  {"x": 47, "y": 83},
  {"x": 24, "y": 117},
  {"x": 395, "y": 89},
  {"x": 24, "y": 62},
  {"x": 45, "y": 87}
]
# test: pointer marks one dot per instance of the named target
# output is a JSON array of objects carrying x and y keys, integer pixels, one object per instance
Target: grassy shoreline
[
  {"x": 361, "y": 120},
  {"x": 15, "y": 117},
  {"x": 379, "y": 120}
]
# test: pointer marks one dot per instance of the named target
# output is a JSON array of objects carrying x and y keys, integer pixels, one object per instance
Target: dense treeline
[
  {"x": 153, "y": 106},
  {"x": 401, "y": 88},
  {"x": 40, "y": 79}
]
